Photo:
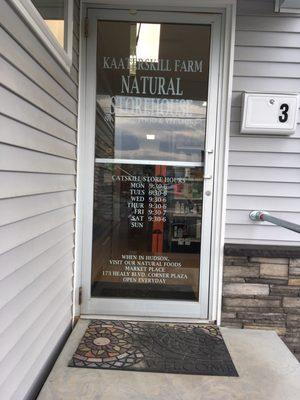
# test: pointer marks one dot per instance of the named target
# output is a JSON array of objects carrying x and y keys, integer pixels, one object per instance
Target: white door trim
[{"x": 227, "y": 10}]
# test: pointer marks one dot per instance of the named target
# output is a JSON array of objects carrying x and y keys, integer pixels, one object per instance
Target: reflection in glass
[
  {"x": 147, "y": 41},
  {"x": 152, "y": 83},
  {"x": 154, "y": 128}
]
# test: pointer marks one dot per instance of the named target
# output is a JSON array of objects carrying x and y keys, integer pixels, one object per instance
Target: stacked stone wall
[{"x": 263, "y": 292}]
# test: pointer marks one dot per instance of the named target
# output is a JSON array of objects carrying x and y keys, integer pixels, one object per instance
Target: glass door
[{"x": 149, "y": 89}]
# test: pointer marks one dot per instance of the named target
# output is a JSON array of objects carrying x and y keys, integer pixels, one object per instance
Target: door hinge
[
  {"x": 80, "y": 295},
  {"x": 86, "y": 27}
]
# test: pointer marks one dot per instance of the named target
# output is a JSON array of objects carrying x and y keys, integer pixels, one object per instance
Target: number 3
[{"x": 284, "y": 117}]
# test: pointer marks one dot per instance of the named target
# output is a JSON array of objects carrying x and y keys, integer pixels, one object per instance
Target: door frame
[
  {"x": 141, "y": 307},
  {"x": 226, "y": 12}
]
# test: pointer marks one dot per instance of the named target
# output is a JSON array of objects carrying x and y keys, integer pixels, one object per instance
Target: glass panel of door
[{"x": 151, "y": 111}]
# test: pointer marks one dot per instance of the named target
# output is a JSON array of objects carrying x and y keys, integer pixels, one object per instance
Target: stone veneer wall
[{"x": 261, "y": 290}]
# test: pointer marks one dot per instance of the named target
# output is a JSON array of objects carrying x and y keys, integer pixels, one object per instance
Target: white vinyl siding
[
  {"x": 38, "y": 136},
  {"x": 264, "y": 171}
]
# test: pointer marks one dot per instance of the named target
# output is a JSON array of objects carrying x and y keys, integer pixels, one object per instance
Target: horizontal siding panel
[
  {"x": 14, "y": 133},
  {"x": 14, "y": 284},
  {"x": 38, "y": 134},
  {"x": 248, "y": 84},
  {"x": 15, "y": 81},
  {"x": 268, "y": 24},
  {"x": 20, "y": 304},
  {"x": 236, "y": 100},
  {"x": 76, "y": 26},
  {"x": 268, "y": 54},
  {"x": 13, "y": 24},
  {"x": 263, "y": 203},
  {"x": 277, "y": 189},
  {"x": 18, "y": 159},
  {"x": 259, "y": 232},
  {"x": 54, "y": 334},
  {"x": 235, "y": 130},
  {"x": 14, "y": 184},
  {"x": 276, "y": 242},
  {"x": 286, "y": 160},
  {"x": 267, "y": 145},
  {"x": 267, "y": 39},
  {"x": 22, "y": 326},
  {"x": 18, "y": 57},
  {"x": 264, "y": 170},
  {"x": 10, "y": 337},
  {"x": 31, "y": 345},
  {"x": 267, "y": 69},
  {"x": 20, "y": 232},
  {"x": 235, "y": 114},
  {"x": 28, "y": 251},
  {"x": 16, "y": 209},
  {"x": 17, "y": 108},
  {"x": 237, "y": 96},
  {"x": 75, "y": 58},
  {"x": 261, "y": 174},
  {"x": 256, "y": 7},
  {"x": 74, "y": 74},
  {"x": 76, "y": 42},
  {"x": 241, "y": 217},
  {"x": 77, "y": 15}
]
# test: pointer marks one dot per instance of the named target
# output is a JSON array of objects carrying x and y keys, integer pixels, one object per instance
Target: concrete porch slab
[{"x": 267, "y": 369}]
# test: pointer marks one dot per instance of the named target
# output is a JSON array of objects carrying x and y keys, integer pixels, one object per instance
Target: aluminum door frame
[{"x": 138, "y": 307}]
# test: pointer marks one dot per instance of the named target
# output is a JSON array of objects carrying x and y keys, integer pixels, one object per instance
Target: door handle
[{"x": 206, "y": 152}]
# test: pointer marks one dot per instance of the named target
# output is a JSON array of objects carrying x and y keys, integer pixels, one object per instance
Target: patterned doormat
[{"x": 154, "y": 347}]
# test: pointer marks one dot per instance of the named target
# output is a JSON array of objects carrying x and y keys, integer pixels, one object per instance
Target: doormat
[{"x": 154, "y": 347}]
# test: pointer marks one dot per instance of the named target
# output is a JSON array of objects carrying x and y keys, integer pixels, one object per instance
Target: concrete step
[{"x": 267, "y": 371}]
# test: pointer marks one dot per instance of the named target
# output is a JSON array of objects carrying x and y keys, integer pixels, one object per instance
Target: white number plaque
[{"x": 269, "y": 113}]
